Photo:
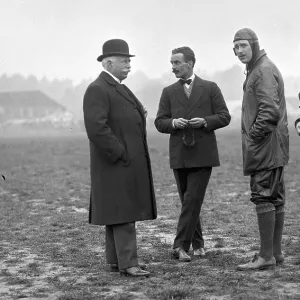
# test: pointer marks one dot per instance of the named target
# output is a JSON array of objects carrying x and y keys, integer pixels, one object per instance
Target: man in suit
[
  {"x": 190, "y": 110},
  {"x": 121, "y": 179}
]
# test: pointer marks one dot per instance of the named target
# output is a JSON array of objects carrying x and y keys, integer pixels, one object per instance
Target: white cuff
[{"x": 173, "y": 123}]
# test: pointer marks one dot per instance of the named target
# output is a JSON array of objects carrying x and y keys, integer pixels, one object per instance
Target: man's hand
[
  {"x": 197, "y": 122},
  {"x": 180, "y": 123}
]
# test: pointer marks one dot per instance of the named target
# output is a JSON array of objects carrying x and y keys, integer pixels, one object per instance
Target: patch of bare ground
[{"x": 48, "y": 251}]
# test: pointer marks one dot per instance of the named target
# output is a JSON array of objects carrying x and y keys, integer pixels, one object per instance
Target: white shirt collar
[
  {"x": 192, "y": 77},
  {"x": 114, "y": 77}
]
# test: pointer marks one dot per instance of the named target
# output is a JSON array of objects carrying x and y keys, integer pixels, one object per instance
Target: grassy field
[{"x": 49, "y": 251}]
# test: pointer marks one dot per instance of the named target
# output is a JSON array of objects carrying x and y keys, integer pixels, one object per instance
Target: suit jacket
[
  {"x": 121, "y": 179},
  {"x": 206, "y": 101}
]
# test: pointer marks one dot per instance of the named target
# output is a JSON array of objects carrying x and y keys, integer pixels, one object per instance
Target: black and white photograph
[{"x": 149, "y": 150}]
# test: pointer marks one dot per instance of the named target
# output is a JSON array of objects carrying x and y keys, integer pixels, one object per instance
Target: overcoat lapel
[
  {"x": 118, "y": 86},
  {"x": 133, "y": 97},
  {"x": 120, "y": 89},
  {"x": 128, "y": 94},
  {"x": 124, "y": 91},
  {"x": 137, "y": 102}
]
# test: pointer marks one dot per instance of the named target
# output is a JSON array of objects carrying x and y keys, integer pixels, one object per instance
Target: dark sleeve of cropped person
[
  {"x": 297, "y": 126},
  {"x": 297, "y": 122}
]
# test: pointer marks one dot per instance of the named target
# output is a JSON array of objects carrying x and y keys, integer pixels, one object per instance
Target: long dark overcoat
[
  {"x": 121, "y": 179},
  {"x": 206, "y": 101},
  {"x": 265, "y": 136}
]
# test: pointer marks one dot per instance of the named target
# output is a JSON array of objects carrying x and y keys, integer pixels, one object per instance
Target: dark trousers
[
  {"x": 267, "y": 186},
  {"x": 191, "y": 184},
  {"x": 121, "y": 247}
]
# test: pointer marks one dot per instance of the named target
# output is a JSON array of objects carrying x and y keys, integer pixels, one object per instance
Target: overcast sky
[{"x": 62, "y": 38}]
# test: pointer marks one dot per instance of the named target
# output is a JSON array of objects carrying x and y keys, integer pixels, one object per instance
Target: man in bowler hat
[
  {"x": 190, "y": 110},
  {"x": 265, "y": 145},
  {"x": 121, "y": 180}
]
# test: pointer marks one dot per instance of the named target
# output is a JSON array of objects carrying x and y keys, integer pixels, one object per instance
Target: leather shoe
[
  {"x": 181, "y": 255},
  {"x": 134, "y": 272},
  {"x": 279, "y": 259},
  {"x": 199, "y": 252},
  {"x": 258, "y": 263},
  {"x": 115, "y": 267}
]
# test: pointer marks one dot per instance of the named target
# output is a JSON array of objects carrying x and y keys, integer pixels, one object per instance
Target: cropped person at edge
[{"x": 297, "y": 122}]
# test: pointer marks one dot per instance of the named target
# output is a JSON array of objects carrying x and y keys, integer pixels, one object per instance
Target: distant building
[
  {"x": 30, "y": 109},
  {"x": 26, "y": 105}
]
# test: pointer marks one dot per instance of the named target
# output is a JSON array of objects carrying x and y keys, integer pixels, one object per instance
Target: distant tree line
[{"x": 148, "y": 90}]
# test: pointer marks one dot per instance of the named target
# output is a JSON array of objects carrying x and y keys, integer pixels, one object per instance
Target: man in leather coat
[{"x": 265, "y": 145}]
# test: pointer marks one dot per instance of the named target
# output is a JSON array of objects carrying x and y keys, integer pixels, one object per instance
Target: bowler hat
[{"x": 115, "y": 47}]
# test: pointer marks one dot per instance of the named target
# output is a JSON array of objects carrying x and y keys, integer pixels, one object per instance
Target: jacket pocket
[
  {"x": 125, "y": 160},
  {"x": 175, "y": 139},
  {"x": 259, "y": 139},
  {"x": 258, "y": 154}
]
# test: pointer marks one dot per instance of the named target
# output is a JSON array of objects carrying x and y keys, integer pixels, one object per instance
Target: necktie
[{"x": 188, "y": 81}]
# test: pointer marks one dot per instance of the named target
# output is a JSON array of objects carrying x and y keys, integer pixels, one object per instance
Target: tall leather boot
[
  {"x": 266, "y": 223},
  {"x": 278, "y": 230}
]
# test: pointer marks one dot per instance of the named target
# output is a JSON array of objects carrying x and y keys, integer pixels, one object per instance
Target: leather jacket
[{"x": 265, "y": 137}]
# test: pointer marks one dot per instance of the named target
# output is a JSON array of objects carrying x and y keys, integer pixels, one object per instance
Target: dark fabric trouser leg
[
  {"x": 197, "y": 239},
  {"x": 268, "y": 193},
  {"x": 191, "y": 184},
  {"x": 121, "y": 246},
  {"x": 268, "y": 187},
  {"x": 266, "y": 224},
  {"x": 279, "y": 217},
  {"x": 110, "y": 247},
  {"x": 278, "y": 231}
]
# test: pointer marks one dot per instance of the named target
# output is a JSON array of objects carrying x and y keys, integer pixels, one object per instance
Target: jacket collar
[
  {"x": 111, "y": 75},
  {"x": 107, "y": 77},
  {"x": 260, "y": 54}
]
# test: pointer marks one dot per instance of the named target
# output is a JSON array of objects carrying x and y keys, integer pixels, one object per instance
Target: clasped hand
[{"x": 194, "y": 123}]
